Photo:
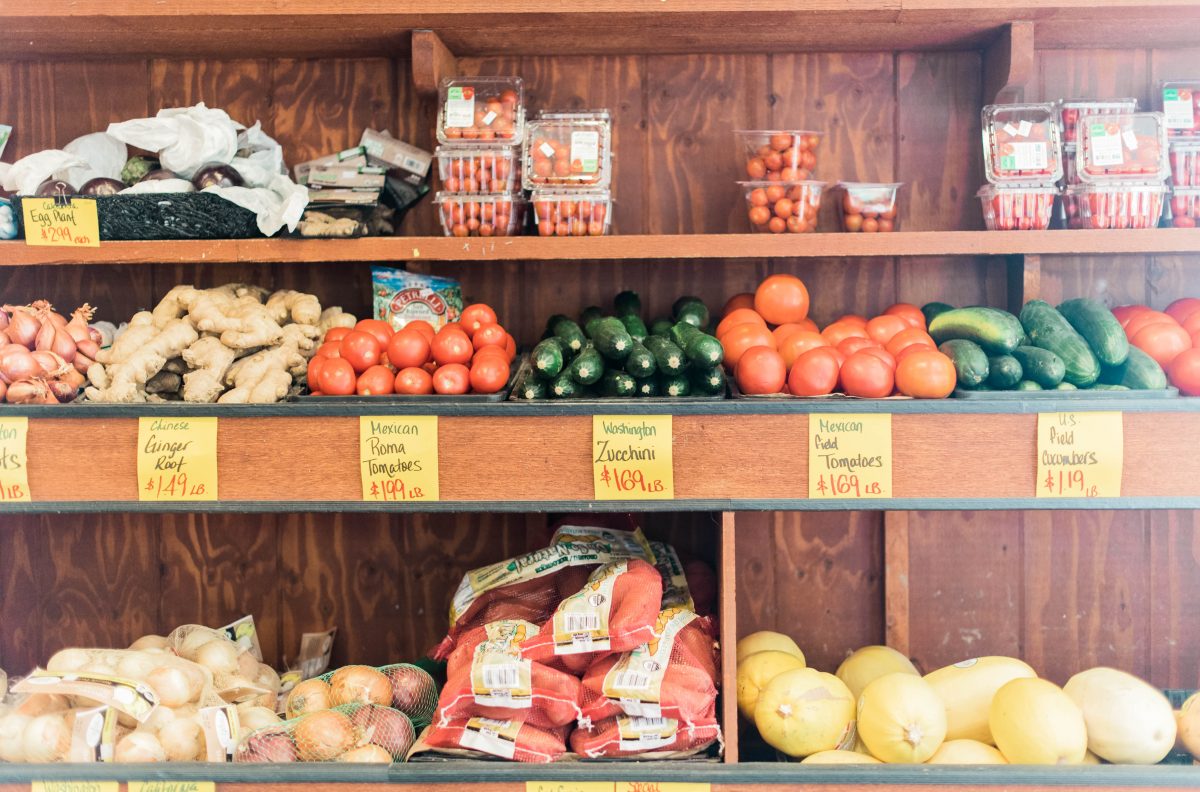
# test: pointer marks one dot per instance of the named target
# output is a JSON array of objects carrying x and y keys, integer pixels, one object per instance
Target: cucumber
[
  {"x": 1004, "y": 372},
  {"x": 998, "y": 332},
  {"x": 1103, "y": 387},
  {"x": 570, "y": 332},
  {"x": 591, "y": 325},
  {"x": 670, "y": 358},
  {"x": 532, "y": 388},
  {"x": 1065, "y": 386},
  {"x": 1138, "y": 372},
  {"x": 563, "y": 387},
  {"x": 588, "y": 367},
  {"x": 547, "y": 358},
  {"x": 660, "y": 326},
  {"x": 627, "y": 303},
  {"x": 634, "y": 326},
  {"x": 708, "y": 382},
  {"x": 553, "y": 320},
  {"x": 704, "y": 351},
  {"x": 675, "y": 385},
  {"x": 646, "y": 387},
  {"x": 933, "y": 309},
  {"x": 681, "y": 333},
  {"x": 617, "y": 384},
  {"x": 1028, "y": 385},
  {"x": 611, "y": 338},
  {"x": 691, "y": 310},
  {"x": 590, "y": 313},
  {"x": 640, "y": 362},
  {"x": 1040, "y": 365},
  {"x": 1103, "y": 333},
  {"x": 970, "y": 362},
  {"x": 1049, "y": 330}
]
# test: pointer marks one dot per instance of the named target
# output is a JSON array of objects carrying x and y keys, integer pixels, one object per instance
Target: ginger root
[
  {"x": 300, "y": 307},
  {"x": 125, "y": 369},
  {"x": 265, "y": 376},
  {"x": 334, "y": 317},
  {"x": 209, "y": 360}
]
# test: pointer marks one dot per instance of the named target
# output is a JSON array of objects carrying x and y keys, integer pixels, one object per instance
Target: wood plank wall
[{"x": 1062, "y": 589}]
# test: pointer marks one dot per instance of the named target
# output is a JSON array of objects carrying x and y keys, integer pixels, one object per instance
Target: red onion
[
  {"x": 63, "y": 345},
  {"x": 87, "y": 347},
  {"x": 23, "y": 328},
  {"x": 18, "y": 365},
  {"x": 78, "y": 326}
]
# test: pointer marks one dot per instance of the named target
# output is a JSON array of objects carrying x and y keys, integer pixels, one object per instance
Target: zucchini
[
  {"x": 1040, "y": 365},
  {"x": 708, "y": 382},
  {"x": 553, "y": 320},
  {"x": 1065, "y": 386},
  {"x": 998, "y": 332},
  {"x": 611, "y": 339},
  {"x": 590, "y": 313},
  {"x": 617, "y": 384},
  {"x": 1004, "y": 372},
  {"x": 588, "y": 367},
  {"x": 1104, "y": 387},
  {"x": 1049, "y": 330},
  {"x": 627, "y": 303},
  {"x": 547, "y": 358},
  {"x": 660, "y": 326},
  {"x": 1103, "y": 333},
  {"x": 563, "y": 387},
  {"x": 932, "y": 309},
  {"x": 640, "y": 362},
  {"x": 634, "y": 326},
  {"x": 681, "y": 333},
  {"x": 670, "y": 358},
  {"x": 970, "y": 362},
  {"x": 532, "y": 388},
  {"x": 675, "y": 385},
  {"x": 570, "y": 332},
  {"x": 1138, "y": 372},
  {"x": 1028, "y": 385},
  {"x": 691, "y": 310},
  {"x": 646, "y": 387}
]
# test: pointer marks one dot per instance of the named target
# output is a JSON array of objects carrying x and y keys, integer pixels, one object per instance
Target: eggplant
[
  {"x": 217, "y": 174},
  {"x": 158, "y": 174},
  {"x": 102, "y": 186},
  {"x": 52, "y": 188}
]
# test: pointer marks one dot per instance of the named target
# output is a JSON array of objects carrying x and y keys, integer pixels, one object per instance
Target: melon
[
  {"x": 1091, "y": 758},
  {"x": 1035, "y": 722},
  {"x": 804, "y": 711},
  {"x": 967, "y": 688},
  {"x": 1188, "y": 720},
  {"x": 767, "y": 641},
  {"x": 755, "y": 671},
  {"x": 900, "y": 719},
  {"x": 871, "y": 662},
  {"x": 1127, "y": 720},
  {"x": 966, "y": 752},
  {"x": 839, "y": 757}
]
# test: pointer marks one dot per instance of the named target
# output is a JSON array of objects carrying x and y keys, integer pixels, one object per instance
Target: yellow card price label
[
  {"x": 632, "y": 457},
  {"x": 398, "y": 458},
  {"x": 660, "y": 786},
  {"x": 172, "y": 786},
  {"x": 48, "y": 224},
  {"x": 568, "y": 786},
  {"x": 14, "y": 461},
  {"x": 849, "y": 455},
  {"x": 177, "y": 459},
  {"x": 1080, "y": 454},
  {"x": 75, "y": 786}
]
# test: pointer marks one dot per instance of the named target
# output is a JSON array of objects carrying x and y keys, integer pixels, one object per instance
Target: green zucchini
[
  {"x": 670, "y": 358},
  {"x": 1026, "y": 385},
  {"x": 1049, "y": 330},
  {"x": 970, "y": 362},
  {"x": 640, "y": 362},
  {"x": 1040, "y": 365},
  {"x": 675, "y": 385},
  {"x": 998, "y": 332},
  {"x": 691, "y": 310},
  {"x": 660, "y": 326},
  {"x": 588, "y": 367},
  {"x": 611, "y": 338},
  {"x": 932, "y": 309},
  {"x": 1104, "y": 387},
  {"x": 590, "y": 313},
  {"x": 1065, "y": 386},
  {"x": 617, "y": 384},
  {"x": 1103, "y": 333},
  {"x": 553, "y": 320},
  {"x": 646, "y": 387},
  {"x": 681, "y": 333},
  {"x": 547, "y": 358},
  {"x": 626, "y": 303},
  {"x": 708, "y": 382},
  {"x": 563, "y": 387},
  {"x": 532, "y": 388},
  {"x": 634, "y": 326},
  {"x": 1138, "y": 372},
  {"x": 570, "y": 332},
  {"x": 1004, "y": 372}
]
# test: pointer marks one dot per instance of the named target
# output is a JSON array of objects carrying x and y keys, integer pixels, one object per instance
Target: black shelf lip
[{"x": 756, "y": 773}]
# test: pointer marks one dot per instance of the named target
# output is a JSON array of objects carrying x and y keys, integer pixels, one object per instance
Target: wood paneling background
[{"x": 1061, "y": 589}]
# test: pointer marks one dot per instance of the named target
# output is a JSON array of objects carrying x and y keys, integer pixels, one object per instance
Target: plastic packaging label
[
  {"x": 1080, "y": 455},
  {"x": 14, "y": 460},
  {"x": 1177, "y": 109},
  {"x": 460, "y": 107},
  {"x": 498, "y": 738},
  {"x": 1106, "y": 150},
  {"x": 500, "y": 677},
  {"x": 1026, "y": 156},
  {"x": 585, "y": 150},
  {"x": 49, "y": 224},
  {"x": 1130, "y": 138},
  {"x": 399, "y": 458},
  {"x": 645, "y": 734},
  {"x": 177, "y": 459},
  {"x": 581, "y": 620},
  {"x": 546, "y": 149}
]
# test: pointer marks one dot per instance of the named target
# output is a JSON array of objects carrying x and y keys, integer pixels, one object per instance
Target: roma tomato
[
  {"x": 781, "y": 299},
  {"x": 743, "y": 300},
  {"x": 408, "y": 348},
  {"x": 376, "y": 381},
  {"x": 740, "y": 338},
  {"x": 414, "y": 381},
  {"x": 1182, "y": 308},
  {"x": 799, "y": 343},
  {"x": 473, "y": 316},
  {"x": 378, "y": 328},
  {"x": 488, "y": 334},
  {"x": 908, "y": 312},
  {"x": 336, "y": 334},
  {"x": 926, "y": 374},
  {"x": 1162, "y": 341},
  {"x": 736, "y": 317},
  {"x": 760, "y": 370},
  {"x": 451, "y": 345},
  {"x": 452, "y": 379},
  {"x": 360, "y": 349},
  {"x": 489, "y": 373},
  {"x": 337, "y": 377},
  {"x": 884, "y": 328},
  {"x": 867, "y": 376},
  {"x": 422, "y": 327},
  {"x": 815, "y": 373},
  {"x": 1184, "y": 372}
]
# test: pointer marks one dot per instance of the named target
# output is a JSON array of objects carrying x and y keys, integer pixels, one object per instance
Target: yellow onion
[{"x": 322, "y": 736}]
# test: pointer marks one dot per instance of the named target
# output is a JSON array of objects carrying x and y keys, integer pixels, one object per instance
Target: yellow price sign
[
  {"x": 849, "y": 455},
  {"x": 1080, "y": 454},
  {"x": 75, "y": 786},
  {"x": 661, "y": 786},
  {"x": 172, "y": 786},
  {"x": 568, "y": 786},
  {"x": 177, "y": 459},
  {"x": 51, "y": 224},
  {"x": 398, "y": 458},
  {"x": 14, "y": 461},
  {"x": 632, "y": 457}
]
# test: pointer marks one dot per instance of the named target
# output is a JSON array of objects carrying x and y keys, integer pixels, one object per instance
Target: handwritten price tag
[
  {"x": 849, "y": 455},
  {"x": 399, "y": 458},
  {"x": 568, "y": 786},
  {"x": 172, "y": 786},
  {"x": 50, "y": 225},
  {"x": 14, "y": 462},
  {"x": 661, "y": 786},
  {"x": 75, "y": 786},
  {"x": 1080, "y": 455},
  {"x": 177, "y": 459},
  {"x": 632, "y": 457}
]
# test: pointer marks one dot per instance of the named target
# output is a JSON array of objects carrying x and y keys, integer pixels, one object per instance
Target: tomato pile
[
  {"x": 472, "y": 355},
  {"x": 478, "y": 169},
  {"x": 1022, "y": 144},
  {"x": 1017, "y": 208},
  {"x": 779, "y": 154},
  {"x": 1114, "y": 206},
  {"x": 571, "y": 214},
  {"x": 463, "y": 215},
  {"x": 1171, "y": 338},
  {"x": 481, "y": 108},
  {"x": 566, "y": 150},
  {"x": 772, "y": 347},
  {"x": 1073, "y": 111},
  {"x": 868, "y": 208},
  {"x": 777, "y": 207}
]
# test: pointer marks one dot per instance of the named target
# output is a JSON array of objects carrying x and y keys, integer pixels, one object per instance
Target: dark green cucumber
[
  {"x": 532, "y": 388},
  {"x": 547, "y": 358},
  {"x": 691, "y": 310},
  {"x": 647, "y": 387},
  {"x": 1138, "y": 372},
  {"x": 670, "y": 358},
  {"x": 640, "y": 362},
  {"x": 660, "y": 326},
  {"x": 675, "y": 385},
  {"x": 617, "y": 384},
  {"x": 1103, "y": 333},
  {"x": 553, "y": 320},
  {"x": 627, "y": 302},
  {"x": 1004, "y": 372},
  {"x": 708, "y": 382},
  {"x": 998, "y": 332},
  {"x": 588, "y": 367},
  {"x": 634, "y": 326},
  {"x": 932, "y": 309},
  {"x": 1065, "y": 386},
  {"x": 571, "y": 334},
  {"x": 704, "y": 351},
  {"x": 1104, "y": 387},
  {"x": 611, "y": 338},
  {"x": 1048, "y": 329},
  {"x": 1040, "y": 365},
  {"x": 970, "y": 361},
  {"x": 563, "y": 387},
  {"x": 590, "y": 313},
  {"x": 681, "y": 333},
  {"x": 1025, "y": 385}
]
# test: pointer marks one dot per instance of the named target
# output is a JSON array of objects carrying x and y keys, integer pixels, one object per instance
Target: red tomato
[
  {"x": 1162, "y": 341},
  {"x": 884, "y": 328},
  {"x": 314, "y": 372},
  {"x": 422, "y": 327},
  {"x": 361, "y": 349},
  {"x": 782, "y": 332},
  {"x": 853, "y": 319},
  {"x": 407, "y": 348},
  {"x": 781, "y": 298},
  {"x": 909, "y": 337},
  {"x": 760, "y": 370},
  {"x": 866, "y": 375},
  {"x": 815, "y": 373},
  {"x": 736, "y": 317},
  {"x": 798, "y": 343},
  {"x": 337, "y": 377},
  {"x": 413, "y": 381},
  {"x": 330, "y": 349},
  {"x": 1136, "y": 323},
  {"x": 473, "y": 316},
  {"x": 451, "y": 379},
  {"x": 926, "y": 374},
  {"x": 378, "y": 328},
  {"x": 510, "y": 347},
  {"x": 488, "y": 334},
  {"x": 1183, "y": 308},
  {"x": 743, "y": 300},
  {"x": 882, "y": 354},
  {"x": 489, "y": 373},
  {"x": 909, "y": 313},
  {"x": 1184, "y": 372},
  {"x": 1126, "y": 312},
  {"x": 376, "y": 381},
  {"x": 742, "y": 337},
  {"x": 852, "y": 344},
  {"x": 451, "y": 345},
  {"x": 336, "y": 334},
  {"x": 839, "y": 331}
]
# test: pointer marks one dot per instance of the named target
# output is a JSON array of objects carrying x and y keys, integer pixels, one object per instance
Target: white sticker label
[
  {"x": 1177, "y": 109},
  {"x": 641, "y": 709},
  {"x": 1106, "y": 150},
  {"x": 1025, "y": 128},
  {"x": 489, "y": 118},
  {"x": 546, "y": 149},
  {"x": 1130, "y": 139},
  {"x": 460, "y": 107},
  {"x": 585, "y": 151},
  {"x": 1011, "y": 130},
  {"x": 489, "y": 736},
  {"x": 1026, "y": 156}
]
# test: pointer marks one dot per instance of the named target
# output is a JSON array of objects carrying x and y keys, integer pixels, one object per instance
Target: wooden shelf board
[{"x": 612, "y": 248}]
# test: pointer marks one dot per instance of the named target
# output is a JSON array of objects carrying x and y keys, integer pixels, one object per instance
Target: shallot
[
  {"x": 78, "y": 326},
  {"x": 17, "y": 364},
  {"x": 23, "y": 326}
]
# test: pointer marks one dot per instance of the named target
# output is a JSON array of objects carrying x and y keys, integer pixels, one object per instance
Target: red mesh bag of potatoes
[
  {"x": 496, "y": 682},
  {"x": 671, "y": 676},
  {"x": 626, "y": 736},
  {"x": 508, "y": 739}
]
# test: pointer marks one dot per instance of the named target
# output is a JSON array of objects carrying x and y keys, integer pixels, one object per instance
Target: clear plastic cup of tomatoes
[
  {"x": 1185, "y": 207},
  {"x": 472, "y": 110},
  {"x": 1072, "y": 111},
  {"x": 788, "y": 155},
  {"x": 779, "y": 207},
  {"x": 1022, "y": 144},
  {"x": 568, "y": 151},
  {"x": 479, "y": 169},
  {"x": 1181, "y": 108},
  {"x": 1114, "y": 205},
  {"x": 1027, "y": 208},
  {"x": 1185, "y": 163},
  {"x": 572, "y": 213},
  {"x": 868, "y": 207},
  {"x": 1129, "y": 147},
  {"x": 468, "y": 215}
]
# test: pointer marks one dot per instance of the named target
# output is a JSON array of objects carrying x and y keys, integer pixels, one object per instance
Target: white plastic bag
[
  {"x": 27, "y": 173},
  {"x": 185, "y": 138},
  {"x": 102, "y": 154}
]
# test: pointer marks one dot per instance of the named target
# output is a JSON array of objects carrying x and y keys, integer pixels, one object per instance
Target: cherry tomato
[
  {"x": 337, "y": 377},
  {"x": 413, "y": 381},
  {"x": 378, "y": 328},
  {"x": 489, "y": 334},
  {"x": 451, "y": 379},
  {"x": 361, "y": 349},
  {"x": 815, "y": 373},
  {"x": 451, "y": 345},
  {"x": 408, "y": 348},
  {"x": 336, "y": 334},
  {"x": 376, "y": 381},
  {"x": 475, "y": 315},
  {"x": 489, "y": 373}
]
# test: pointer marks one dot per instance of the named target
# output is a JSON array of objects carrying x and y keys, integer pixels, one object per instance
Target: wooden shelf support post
[
  {"x": 432, "y": 61},
  {"x": 727, "y": 592},
  {"x": 1008, "y": 64},
  {"x": 895, "y": 581}
]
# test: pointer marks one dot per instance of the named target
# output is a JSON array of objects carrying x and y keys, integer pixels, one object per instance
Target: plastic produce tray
[
  {"x": 1066, "y": 395},
  {"x": 526, "y": 370},
  {"x": 432, "y": 398},
  {"x": 166, "y": 216}
]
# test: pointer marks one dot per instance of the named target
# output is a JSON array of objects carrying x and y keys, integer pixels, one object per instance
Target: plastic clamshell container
[
  {"x": 1185, "y": 207},
  {"x": 1184, "y": 156},
  {"x": 1017, "y": 208},
  {"x": 480, "y": 169},
  {"x": 1181, "y": 108},
  {"x": 601, "y": 114},
  {"x": 1129, "y": 147},
  {"x": 868, "y": 207},
  {"x": 1114, "y": 205},
  {"x": 1021, "y": 144},
  {"x": 783, "y": 154},
  {"x": 466, "y": 214},
  {"x": 1072, "y": 111},
  {"x": 572, "y": 213},
  {"x": 778, "y": 207},
  {"x": 568, "y": 152},
  {"x": 472, "y": 110},
  {"x": 1071, "y": 164}
]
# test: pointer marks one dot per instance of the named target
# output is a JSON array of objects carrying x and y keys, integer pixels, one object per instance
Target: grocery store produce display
[{"x": 44, "y": 357}]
